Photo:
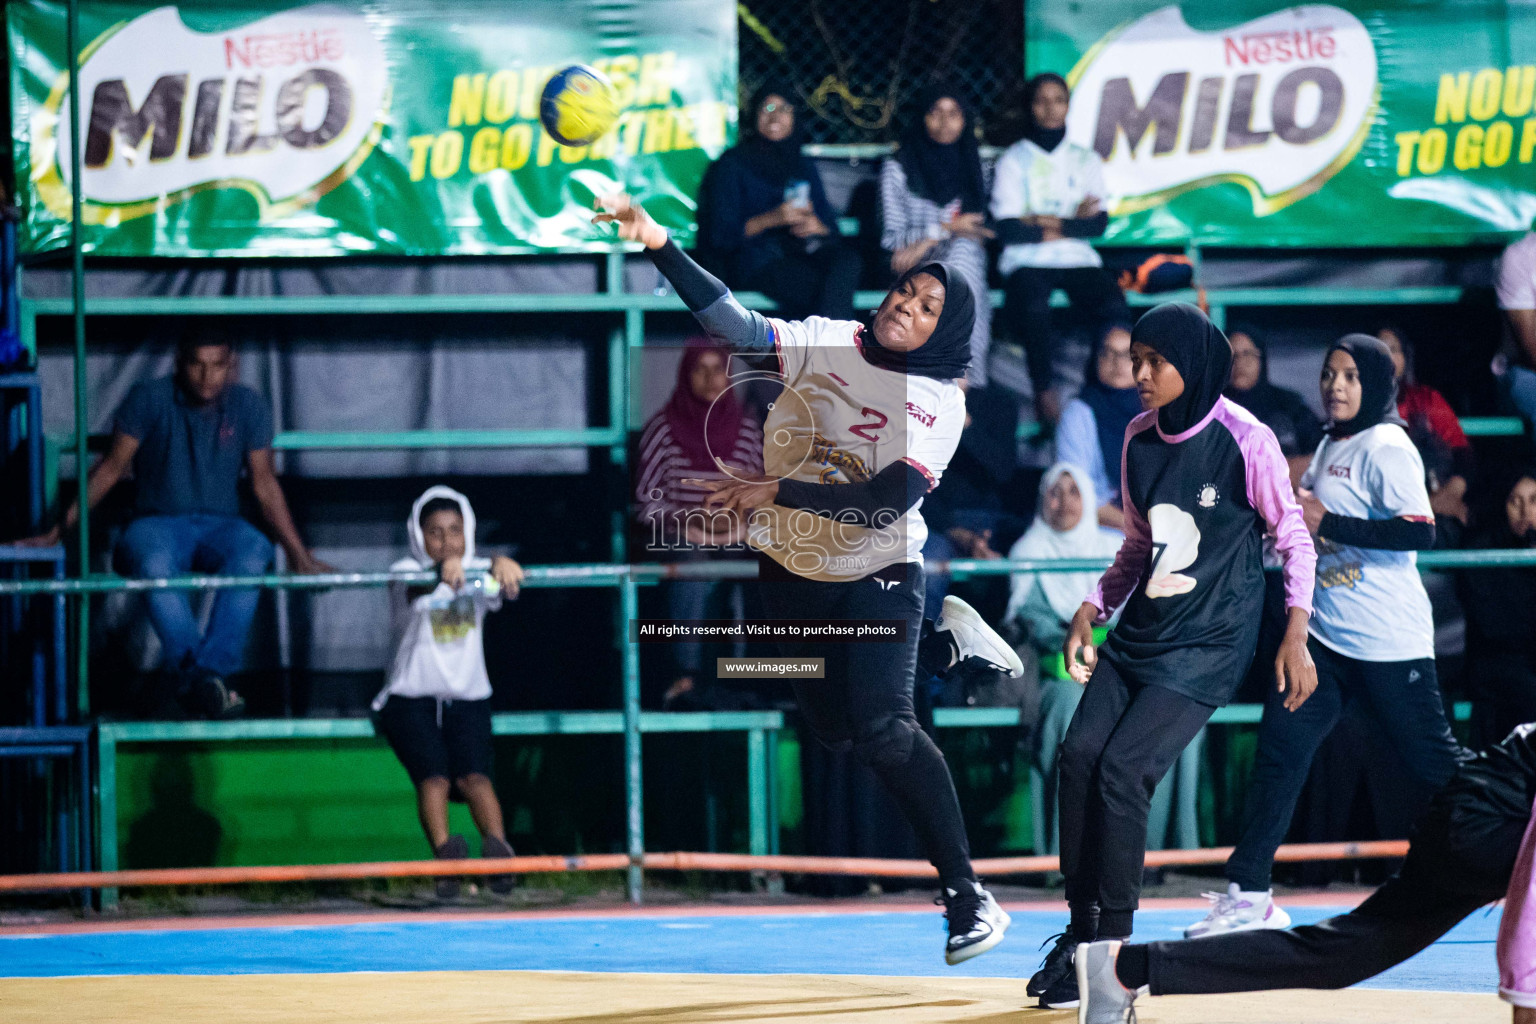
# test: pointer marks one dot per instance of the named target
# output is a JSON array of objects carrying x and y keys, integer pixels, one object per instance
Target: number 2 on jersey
[{"x": 864, "y": 430}]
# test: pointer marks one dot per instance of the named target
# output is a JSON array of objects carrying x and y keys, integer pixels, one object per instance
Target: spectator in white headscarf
[{"x": 1041, "y": 605}]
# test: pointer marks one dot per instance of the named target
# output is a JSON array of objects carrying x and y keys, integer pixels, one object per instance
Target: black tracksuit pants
[
  {"x": 1123, "y": 739},
  {"x": 1446, "y": 876},
  {"x": 865, "y": 701},
  {"x": 1097, "y": 301},
  {"x": 819, "y": 283},
  {"x": 1403, "y": 699}
]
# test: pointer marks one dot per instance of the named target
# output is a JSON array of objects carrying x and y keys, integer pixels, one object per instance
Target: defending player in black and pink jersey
[{"x": 1203, "y": 481}]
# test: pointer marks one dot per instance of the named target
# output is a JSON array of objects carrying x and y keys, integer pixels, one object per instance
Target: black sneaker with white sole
[
  {"x": 973, "y": 638},
  {"x": 1062, "y": 995},
  {"x": 976, "y": 922},
  {"x": 1057, "y": 964}
]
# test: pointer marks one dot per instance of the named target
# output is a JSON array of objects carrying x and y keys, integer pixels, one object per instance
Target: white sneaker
[
  {"x": 974, "y": 638},
  {"x": 1238, "y": 911},
  {"x": 1102, "y": 999},
  {"x": 976, "y": 922}
]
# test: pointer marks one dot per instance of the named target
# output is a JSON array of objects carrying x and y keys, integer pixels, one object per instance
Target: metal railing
[
  {"x": 627, "y": 578},
  {"x": 632, "y": 307}
]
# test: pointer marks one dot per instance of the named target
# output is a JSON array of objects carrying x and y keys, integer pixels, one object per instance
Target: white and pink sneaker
[{"x": 1238, "y": 911}]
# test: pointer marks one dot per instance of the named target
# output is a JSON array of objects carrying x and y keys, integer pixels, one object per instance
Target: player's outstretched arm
[{"x": 718, "y": 312}]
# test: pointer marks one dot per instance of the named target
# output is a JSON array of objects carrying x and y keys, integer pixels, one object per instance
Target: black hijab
[
  {"x": 1378, "y": 384},
  {"x": 937, "y": 172},
  {"x": 1280, "y": 409},
  {"x": 776, "y": 162},
  {"x": 1113, "y": 409},
  {"x": 1185, "y": 337},
  {"x": 1265, "y": 399},
  {"x": 947, "y": 352},
  {"x": 1402, "y": 339},
  {"x": 1046, "y": 138}
]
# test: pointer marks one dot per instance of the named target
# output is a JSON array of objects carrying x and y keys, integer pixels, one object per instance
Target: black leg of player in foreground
[
  {"x": 1462, "y": 857},
  {"x": 837, "y": 522}
]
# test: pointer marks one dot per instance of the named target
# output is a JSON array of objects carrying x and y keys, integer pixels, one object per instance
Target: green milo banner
[
  {"x": 389, "y": 126},
  {"x": 1239, "y": 122}
]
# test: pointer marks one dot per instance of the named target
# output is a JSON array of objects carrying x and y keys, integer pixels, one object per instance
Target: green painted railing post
[
  {"x": 27, "y": 321},
  {"x": 82, "y": 427},
  {"x": 618, "y": 453},
  {"x": 757, "y": 792},
  {"x": 106, "y": 805},
  {"x": 619, "y": 383},
  {"x": 629, "y": 609},
  {"x": 772, "y": 765}
]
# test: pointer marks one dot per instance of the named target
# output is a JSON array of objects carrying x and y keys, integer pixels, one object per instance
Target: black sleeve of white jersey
[
  {"x": 1395, "y": 534},
  {"x": 877, "y": 502},
  {"x": 713, "y": 305}
]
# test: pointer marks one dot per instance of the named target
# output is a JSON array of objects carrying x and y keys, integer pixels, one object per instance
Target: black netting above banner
[{"x": 857, "y": 64}]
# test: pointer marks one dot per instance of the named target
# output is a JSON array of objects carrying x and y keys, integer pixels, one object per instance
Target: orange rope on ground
[
  {"x": 877, "y": 867},
  {"x": 310, "y": 872},
  {"x": 874, "y": 867}
]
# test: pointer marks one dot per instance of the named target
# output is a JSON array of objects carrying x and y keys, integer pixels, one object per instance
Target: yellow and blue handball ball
[{"x": 579, "y": 105}]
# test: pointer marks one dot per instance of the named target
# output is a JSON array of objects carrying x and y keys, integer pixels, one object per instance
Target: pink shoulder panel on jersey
[
  {"x": 1121, "y": 578},
  {"x": 1269, "y": 492}
]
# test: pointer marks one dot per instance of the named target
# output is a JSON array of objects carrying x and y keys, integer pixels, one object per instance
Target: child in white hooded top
[{"x": 435, "y": 708}]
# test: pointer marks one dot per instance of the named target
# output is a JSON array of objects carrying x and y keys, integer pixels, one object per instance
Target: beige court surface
[{"x": 494, "y": 997}]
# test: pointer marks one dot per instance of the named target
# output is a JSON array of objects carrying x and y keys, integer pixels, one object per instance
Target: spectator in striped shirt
[
  {"x": 704, "y": 420},
  {"x": 933, "y": 203}
]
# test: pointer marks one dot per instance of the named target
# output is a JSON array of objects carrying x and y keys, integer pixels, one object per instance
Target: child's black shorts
[{"x": 459, "y": 746}]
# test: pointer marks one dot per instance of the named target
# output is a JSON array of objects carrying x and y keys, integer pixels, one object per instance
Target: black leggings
[
  {"x": 1122, "y": 741},
  {"x": 1097, "y": 301},
  {"x": 1445, "y": 877},
  {"x": 1402, "y": 699},
  {"x": 819, "y": 283},
  {"x": 864, "y": 703}
]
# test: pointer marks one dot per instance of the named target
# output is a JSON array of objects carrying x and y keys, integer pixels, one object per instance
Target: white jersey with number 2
[{"x": 841, "y": 420}]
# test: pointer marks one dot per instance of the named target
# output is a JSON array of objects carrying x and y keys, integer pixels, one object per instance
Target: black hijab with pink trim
[{"x": 1185, "y": 337}]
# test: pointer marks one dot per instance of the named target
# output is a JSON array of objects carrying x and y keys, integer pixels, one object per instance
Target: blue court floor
[{"x": 901, "y": 943}]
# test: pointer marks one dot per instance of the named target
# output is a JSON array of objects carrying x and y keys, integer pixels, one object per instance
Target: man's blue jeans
[{"x": 175, "y": 545}]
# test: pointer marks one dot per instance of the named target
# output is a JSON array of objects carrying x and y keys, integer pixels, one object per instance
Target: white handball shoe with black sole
[
  {"x": 1102, "y": 998},
  {"x": 976, "y": 922},
  {"x": 973, "y": 638}
]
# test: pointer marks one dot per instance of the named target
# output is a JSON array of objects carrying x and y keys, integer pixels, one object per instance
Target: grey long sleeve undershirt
[{"x": 713, "y": 305}]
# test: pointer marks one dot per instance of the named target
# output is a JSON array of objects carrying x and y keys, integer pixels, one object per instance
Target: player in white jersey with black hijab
[
  {"x": 1372, "y": 634},
  {"x": 869, "y": 418}
]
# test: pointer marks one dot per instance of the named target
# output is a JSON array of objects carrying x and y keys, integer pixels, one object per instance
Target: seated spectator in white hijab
[{"x": 1041, "y": 604}]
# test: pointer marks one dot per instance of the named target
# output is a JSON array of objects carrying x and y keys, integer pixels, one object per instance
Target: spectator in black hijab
[
  {"x": 764, "y": 216},
  {"x": 933, "y": 205},
  {"x": 1280, "y": 409}
]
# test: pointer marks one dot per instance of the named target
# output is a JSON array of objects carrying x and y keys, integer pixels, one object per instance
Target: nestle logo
[
  {"x": 284, "y": 49},
  {"x": 921, "y": 415},
  {"x": 1339, "y": 471},
  {"x": 1280, "y": 47}
]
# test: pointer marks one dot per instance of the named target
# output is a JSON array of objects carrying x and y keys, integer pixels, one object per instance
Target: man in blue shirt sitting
[{"x": 188, "y": 438}]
